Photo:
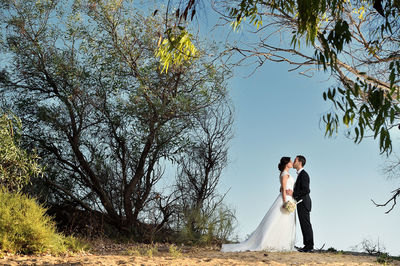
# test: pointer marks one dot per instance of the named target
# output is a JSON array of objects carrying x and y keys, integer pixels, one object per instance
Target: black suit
[{"x": 302, "y": 192}]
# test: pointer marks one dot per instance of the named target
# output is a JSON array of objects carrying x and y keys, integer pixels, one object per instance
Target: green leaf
[{"x": 357, "y": 134}]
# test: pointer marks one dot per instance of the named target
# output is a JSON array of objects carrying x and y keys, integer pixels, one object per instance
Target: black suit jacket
[{"x": 301, "y": 189}]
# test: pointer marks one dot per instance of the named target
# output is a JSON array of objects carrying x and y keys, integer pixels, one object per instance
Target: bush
[
  {"x": 384, "y": 258},
  {"x": 208, "y": 228},
  {"x": 146, "y": 250},
  {"x": 17, "y": 166},
  {"x": 74, "y": 244},
  {"x": 25, "y": 228},
  {"x": 371, "y": 247},
  {"x": 331, "y": 249},
  {"x": 174, "y": 251}
]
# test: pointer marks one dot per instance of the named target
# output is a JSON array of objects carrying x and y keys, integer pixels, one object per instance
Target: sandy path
[
  {"x": 195, "y": 256},
  {"x": 106, "y": 252}
]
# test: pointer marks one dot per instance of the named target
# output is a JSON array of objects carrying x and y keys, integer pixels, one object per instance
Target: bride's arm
[{"x": 283, "y": 186}]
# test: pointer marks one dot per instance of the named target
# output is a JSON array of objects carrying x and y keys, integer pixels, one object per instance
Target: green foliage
[
  {"x": 151, "y": 251},
  {"x": 132, "y": 252},
  {"x": 308, "y": 14},
  {"x": 377, "y": 112},
  {"x": 384, "y": 259},
  {"x": 205, "y": 229},
  {"x": 174, "y": 251},
  {"x": 25, "y": 228},
  {"x": 246, "y": 9},
  {"x": 333, "y": 44},
  {"x": 76, "y": 245},
  {"x": 16, "y": 165},
  {"x": 143, "y": 250},
  {"x": 176, "y": 48}
]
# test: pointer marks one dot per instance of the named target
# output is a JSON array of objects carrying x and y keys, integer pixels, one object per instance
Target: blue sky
[{"x": 278, "y": 114}]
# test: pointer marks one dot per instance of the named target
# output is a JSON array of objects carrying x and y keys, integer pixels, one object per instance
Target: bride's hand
[{"x": 289, "y": 192}]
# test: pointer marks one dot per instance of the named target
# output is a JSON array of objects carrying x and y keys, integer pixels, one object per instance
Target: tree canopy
[{"x": 85, "y": 80}]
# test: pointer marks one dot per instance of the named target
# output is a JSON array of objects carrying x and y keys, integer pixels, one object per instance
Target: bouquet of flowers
[{"x": 290, "y": 205}]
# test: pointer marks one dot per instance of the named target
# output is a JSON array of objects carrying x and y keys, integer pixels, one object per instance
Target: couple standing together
[{"x": 277, "y": 230}]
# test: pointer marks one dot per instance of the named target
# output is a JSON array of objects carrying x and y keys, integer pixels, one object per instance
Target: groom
[{"x": 302, "y": 193}]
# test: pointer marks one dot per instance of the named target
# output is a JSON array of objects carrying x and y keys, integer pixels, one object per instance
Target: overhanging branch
[{"x": 393, "y": 198}]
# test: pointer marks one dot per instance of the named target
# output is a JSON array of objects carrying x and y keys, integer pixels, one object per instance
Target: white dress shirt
[{"x": 298, "y": 172}]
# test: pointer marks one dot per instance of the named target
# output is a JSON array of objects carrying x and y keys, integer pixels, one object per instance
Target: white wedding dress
[{"x": 276, "y": 232}]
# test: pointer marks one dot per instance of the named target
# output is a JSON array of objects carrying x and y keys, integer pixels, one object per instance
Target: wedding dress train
[{"x": 276, "y": 232}]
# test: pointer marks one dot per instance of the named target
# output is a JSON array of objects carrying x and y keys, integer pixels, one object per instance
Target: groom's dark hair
[{"x": 301, "y": 159}]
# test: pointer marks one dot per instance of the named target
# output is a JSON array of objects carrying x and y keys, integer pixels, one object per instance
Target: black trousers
[{"x": 305, "y": 224}]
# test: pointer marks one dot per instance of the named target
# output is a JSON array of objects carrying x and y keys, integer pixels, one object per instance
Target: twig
[{"x": 393, "y": 198}]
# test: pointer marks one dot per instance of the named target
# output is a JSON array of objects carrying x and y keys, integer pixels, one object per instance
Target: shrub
[
  {"x": 74, "y": 244},
  {"x": 208, "y": 228},
  {"x": 16, "y": 165},
  {"x": 146, "y": 250},
  {"x": 174, "y": 251},
  {"x": 384, "y": 258},
  {"x": 331, "y": 249},
  {"x": 371, "y": 247},
  {"x": 25, "y": 228}
]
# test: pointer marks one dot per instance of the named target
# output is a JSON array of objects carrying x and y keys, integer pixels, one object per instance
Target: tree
[
  {"x": 356, "y": 41},
  {"x": 199, "y": 172},
  {"x": 17, "y": 166},
  {"x": 85, "y": 80}
]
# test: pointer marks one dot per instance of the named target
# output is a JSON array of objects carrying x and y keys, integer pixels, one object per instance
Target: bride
[{"x": 277, "y": 229}]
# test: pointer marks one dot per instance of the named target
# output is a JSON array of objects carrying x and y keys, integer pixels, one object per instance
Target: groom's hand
[{"x": 289, "y": 192}]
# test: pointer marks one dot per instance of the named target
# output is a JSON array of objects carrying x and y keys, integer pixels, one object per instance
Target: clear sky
[{"x": 278, "y": 114}]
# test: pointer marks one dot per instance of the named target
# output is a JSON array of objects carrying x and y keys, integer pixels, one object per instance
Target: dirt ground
[{"x": 132, "y": 254}]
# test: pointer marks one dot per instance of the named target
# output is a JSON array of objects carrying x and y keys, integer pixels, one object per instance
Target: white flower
[{"x": 290, "y": 206}]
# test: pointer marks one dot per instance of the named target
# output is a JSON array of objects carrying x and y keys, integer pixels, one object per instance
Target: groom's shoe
[
  {"x": 298, "y": 248},
  {"x": 306, "y": 249}
]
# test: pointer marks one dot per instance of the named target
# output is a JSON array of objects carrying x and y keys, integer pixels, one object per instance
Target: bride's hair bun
[{"x": 282, "y": 164}]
